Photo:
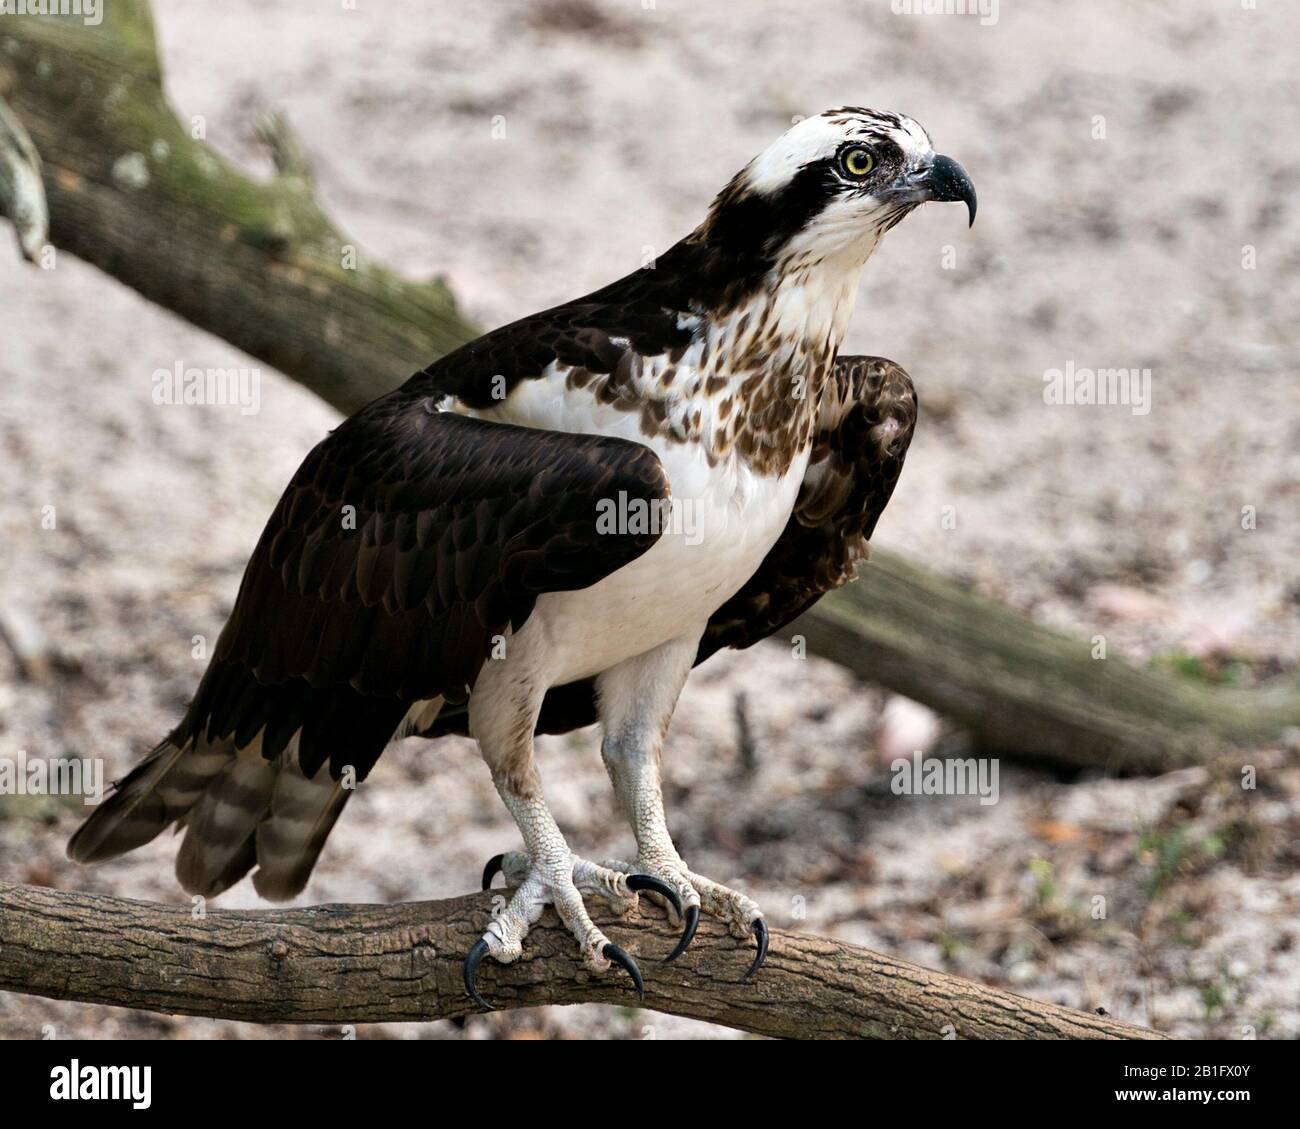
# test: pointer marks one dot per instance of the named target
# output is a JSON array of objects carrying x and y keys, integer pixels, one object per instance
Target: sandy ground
[{"x": 1122, "y": 250}]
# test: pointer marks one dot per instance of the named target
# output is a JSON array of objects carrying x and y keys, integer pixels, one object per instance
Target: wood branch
[
  {"x": 260, "y": 265},
  {"x": 345, "y": 964},
  {"x": 1022, "y": 689}
]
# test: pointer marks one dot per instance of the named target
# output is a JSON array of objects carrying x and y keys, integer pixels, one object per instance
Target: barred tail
[
  {"x": 253, "y": 775},
  {"x": 238, "y": 810},
  {"x": 156, "y": 793}
]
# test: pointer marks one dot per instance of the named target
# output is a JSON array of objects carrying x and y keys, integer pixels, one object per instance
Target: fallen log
[{"x": 1023, "y": 690}]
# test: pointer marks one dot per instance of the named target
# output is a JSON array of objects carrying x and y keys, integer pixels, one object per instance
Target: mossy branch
[{"x": 1022, "y": 689}]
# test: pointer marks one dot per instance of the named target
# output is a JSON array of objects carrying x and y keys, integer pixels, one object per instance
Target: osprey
[{"x": 550, "y": 526}]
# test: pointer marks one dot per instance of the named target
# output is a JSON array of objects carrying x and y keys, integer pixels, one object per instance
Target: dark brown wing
[
  {"x": 405, "y": 542},
  {"x": 856, "y": 461}
]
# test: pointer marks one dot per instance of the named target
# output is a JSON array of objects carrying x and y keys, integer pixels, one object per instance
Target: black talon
[
  {"x": 472, "y": 960},
  {"x": 759, "y": 928},
  {"x": 688, "y": 935},
  {"x": 493, "y": 868},
  {"x": 655, "y": 886},
  {"x": 612, "y": 952}
]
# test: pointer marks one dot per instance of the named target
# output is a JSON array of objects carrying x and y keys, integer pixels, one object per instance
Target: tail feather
[
  {"x": 158, "y": 791},
  {"x": 238, "y": 808},
  {"x": 222, "y": 823},
  {"x": 302, "y": 813}
]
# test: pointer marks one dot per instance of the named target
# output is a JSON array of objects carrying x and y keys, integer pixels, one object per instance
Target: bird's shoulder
[
  {"x": 643, "y": 314},
  {"x": 866, "y": 419},
  {"x": 406, "y": 452}
]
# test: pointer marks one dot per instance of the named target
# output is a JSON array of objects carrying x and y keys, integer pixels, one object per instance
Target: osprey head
[{"x": 830, "y": 187}]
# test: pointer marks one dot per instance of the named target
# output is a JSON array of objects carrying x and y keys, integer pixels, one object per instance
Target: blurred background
[{"x": 1137, "y": 169}]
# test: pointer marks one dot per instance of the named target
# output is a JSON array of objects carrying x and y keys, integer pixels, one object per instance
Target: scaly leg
[
  {"x": 503, "y": 714},
  {"x": 636, "y": 700}
]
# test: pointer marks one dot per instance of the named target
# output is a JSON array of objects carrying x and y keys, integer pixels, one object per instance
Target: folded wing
[{"x": 408, "y": 543}]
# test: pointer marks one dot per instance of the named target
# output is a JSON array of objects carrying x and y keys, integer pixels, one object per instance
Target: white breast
[{"x": 725, "y": 520}]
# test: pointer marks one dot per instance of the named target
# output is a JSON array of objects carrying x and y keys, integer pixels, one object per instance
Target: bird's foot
[
  {"x": 560, "y": 882},
  {"x": 743, "y": 917}
]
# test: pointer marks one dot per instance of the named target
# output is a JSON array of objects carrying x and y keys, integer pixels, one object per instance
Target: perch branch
[
  {"x": 343, "y": 964},
  {"x": 259, "y": 264}
]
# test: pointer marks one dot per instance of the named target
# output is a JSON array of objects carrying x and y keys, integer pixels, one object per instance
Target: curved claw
[
  {"x": 612, "y": 952},
  {"x": 655, "y": 886},
  {"x": 472, "y": 960},
  {"x": 759, "y": 928},
  {"x": 493, "y": 868},
  {"x": 688, "y": 934}
]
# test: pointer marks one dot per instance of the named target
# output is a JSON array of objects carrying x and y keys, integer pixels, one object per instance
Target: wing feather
[{"x": 407, "y": 540}]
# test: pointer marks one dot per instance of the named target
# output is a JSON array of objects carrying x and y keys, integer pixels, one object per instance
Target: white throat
[{"x": 805, "y": 303}]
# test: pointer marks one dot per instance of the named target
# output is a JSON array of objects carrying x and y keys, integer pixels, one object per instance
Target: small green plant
[
  {"x": 949, "y": 945},
  {"x": 1045, "y": 879},
  {"x": 1173, "y": 851},
  {"x": 1212, "y": 999},
  {"x": 1216, "y": 670}
]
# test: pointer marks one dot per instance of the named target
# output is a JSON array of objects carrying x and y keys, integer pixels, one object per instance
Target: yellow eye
[{"x": 858, "y": 161}]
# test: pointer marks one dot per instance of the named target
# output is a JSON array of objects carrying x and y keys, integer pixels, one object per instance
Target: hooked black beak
[{"x": 947, "y": 180}]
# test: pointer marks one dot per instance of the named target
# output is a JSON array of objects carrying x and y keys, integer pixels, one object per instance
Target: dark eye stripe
[{"x": 887, "y": 150}]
